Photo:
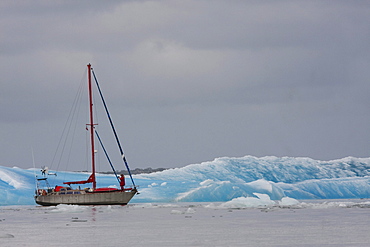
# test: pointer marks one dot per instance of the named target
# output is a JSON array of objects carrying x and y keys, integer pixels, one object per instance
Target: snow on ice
[{"x": 222, "y": 180}]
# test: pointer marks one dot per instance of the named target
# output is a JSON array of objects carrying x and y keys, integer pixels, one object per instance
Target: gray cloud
[{"x": 189, "y": 81}]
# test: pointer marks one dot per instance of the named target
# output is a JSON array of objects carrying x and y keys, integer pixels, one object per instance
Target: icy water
[{"x": 309, "y": 223}]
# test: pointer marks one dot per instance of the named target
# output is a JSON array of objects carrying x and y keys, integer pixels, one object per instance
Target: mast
[{"x": 91, "y": 127}]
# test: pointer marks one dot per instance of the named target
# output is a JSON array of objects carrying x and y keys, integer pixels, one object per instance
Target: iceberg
[{"x": 246, "y": 179}]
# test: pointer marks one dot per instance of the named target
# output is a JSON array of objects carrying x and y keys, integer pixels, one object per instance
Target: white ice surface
[
  {"x": 11, "y": 178},
  {"x": 325, "y": 223}
]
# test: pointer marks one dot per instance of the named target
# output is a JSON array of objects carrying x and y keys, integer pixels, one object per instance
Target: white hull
[{"x": 81, "y": 197}]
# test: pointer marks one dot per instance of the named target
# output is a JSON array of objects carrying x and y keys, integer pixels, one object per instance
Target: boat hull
[{"x": 118, "y": 197}]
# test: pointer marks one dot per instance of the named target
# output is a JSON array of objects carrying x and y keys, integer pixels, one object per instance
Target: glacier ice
[{"x": 221, "y": 180}]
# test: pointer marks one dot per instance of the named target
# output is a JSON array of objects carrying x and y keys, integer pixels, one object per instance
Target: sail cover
[{"x": 89, "y": 180}]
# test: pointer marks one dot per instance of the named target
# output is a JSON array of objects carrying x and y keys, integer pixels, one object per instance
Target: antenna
[{"x": 34, "y": 168}]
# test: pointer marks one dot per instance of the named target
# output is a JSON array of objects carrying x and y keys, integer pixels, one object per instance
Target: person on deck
[{"x": 122, "y": 181}]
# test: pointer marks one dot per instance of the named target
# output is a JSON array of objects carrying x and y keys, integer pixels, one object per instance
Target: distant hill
[{"x": 137, "y": 171}]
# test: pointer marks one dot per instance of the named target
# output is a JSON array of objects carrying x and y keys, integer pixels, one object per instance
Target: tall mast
[{"x": 91, "y": 126}]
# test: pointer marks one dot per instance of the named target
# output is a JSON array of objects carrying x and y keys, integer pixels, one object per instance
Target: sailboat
[{"x": 65, "y": 194}]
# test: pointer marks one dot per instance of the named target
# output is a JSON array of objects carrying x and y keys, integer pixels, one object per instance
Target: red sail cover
[{"x": 90, "y": 180}]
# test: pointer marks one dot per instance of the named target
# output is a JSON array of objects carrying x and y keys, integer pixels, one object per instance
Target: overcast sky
[{"x": 189, "y": 81}]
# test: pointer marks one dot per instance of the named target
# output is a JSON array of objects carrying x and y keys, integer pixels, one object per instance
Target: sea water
[{"x": 289, "y": 223}]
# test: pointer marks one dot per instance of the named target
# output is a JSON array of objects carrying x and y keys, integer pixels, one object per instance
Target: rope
[
  {"x": 106, "y": 155},
  {"x": 113, "y": 129}
]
